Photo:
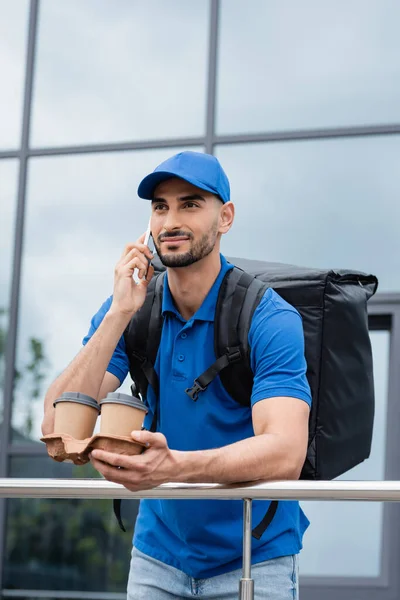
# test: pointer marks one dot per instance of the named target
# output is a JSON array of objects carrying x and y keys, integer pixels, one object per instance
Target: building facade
[{"x": 301, "y": 103}]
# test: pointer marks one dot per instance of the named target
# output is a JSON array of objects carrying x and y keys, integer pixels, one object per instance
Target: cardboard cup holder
[
  {"x": 75, "y": 419},
  {"x": 61, "y": 446}
]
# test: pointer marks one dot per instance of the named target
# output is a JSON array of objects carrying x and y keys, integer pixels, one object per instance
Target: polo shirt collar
[{"x": 206, "y": 312}]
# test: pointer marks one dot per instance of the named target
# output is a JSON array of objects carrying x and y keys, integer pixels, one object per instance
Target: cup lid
[
  {"x": 79, "y": 398},
  {"x": 126, "y": 399}
]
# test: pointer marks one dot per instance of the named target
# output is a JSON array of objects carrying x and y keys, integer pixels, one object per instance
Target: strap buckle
[
  {"x": 194, "y": 391},
  {"x": 234, "y": 355}
]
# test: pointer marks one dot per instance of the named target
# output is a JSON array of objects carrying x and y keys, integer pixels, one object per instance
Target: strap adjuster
[
  {"x": 234, "y": 356},
  {"x": 194, "y": 391}
]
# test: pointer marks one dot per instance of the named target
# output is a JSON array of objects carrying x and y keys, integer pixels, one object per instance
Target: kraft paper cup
[
  {"x": 121, "y": 414},
  {"x": 76, "y": 415}
]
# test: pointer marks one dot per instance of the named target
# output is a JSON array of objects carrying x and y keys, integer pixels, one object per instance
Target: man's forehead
[{"x": 175, "y": 186}]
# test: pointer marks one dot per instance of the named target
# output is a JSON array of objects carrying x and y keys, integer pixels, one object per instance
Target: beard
[{"x": 199, "y": 249}]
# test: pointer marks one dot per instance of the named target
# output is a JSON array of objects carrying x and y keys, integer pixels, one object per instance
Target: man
[{"x": 190, "y": 548}]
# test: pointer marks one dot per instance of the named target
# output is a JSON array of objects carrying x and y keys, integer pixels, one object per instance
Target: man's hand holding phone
[{"x": 130, "y": 295}]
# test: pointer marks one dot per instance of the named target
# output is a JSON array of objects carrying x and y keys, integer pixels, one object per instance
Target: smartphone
[{"x": 148, "y": 240}]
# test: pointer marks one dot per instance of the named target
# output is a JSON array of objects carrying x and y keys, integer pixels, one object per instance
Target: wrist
[
  {"x": 192, "y": 467},
  {"x": 117, "y": 318},
  {"x": 177, "y": 466}
]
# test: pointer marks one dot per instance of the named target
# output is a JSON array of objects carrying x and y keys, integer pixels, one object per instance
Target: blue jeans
[{"x": 150, "y": 579}]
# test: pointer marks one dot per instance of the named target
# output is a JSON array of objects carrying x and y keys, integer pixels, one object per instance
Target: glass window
[
  {"x": 8, "y": 196},
  {"x": 337, "y": 553},
  {"x": 324, "y": 204},
  {"x": 13, "y": 37},
  {"x": 307, "y": 64},
  {"x": 81, "y": 212},
  {"x": 69, "y": 545},
  {"x": 135, "y": 72}
]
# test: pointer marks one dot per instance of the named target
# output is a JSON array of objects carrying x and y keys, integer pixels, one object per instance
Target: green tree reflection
[
  {"x": 32, "y": 373},
  {"x": 65, "y": 545}
]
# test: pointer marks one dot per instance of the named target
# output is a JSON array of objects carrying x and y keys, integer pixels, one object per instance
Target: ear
[{"x": 226, "y": 217}]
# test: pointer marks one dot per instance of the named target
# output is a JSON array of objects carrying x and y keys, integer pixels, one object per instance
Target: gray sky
[
  {"x": 13, "y": 22},
  {"x": 127, "y": 75},
  {"x": 289, "y": 65},
  {"x": 328, "y": 204},
  {"x": 8, "y": 189}
]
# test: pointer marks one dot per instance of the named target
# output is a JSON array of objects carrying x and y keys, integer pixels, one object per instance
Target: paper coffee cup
[
  {"x": 75, "y": 414},
  {"x": 121, "y": 414}
]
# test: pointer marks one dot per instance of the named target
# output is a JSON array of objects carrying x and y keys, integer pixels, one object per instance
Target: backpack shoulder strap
[
  {"x": 230, "y": 355},
  {"x": 143, "y": 335},
  {"x": 236, "y": 304},
  {"x": 239, "y": 297}
]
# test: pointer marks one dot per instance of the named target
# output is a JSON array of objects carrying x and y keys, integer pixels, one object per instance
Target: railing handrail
[
  {"x": 376, "y": 491},
  {"x": 273, "y": 490}
]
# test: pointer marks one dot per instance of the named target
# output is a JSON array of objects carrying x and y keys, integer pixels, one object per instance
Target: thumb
[{"x": 149, "y": 439}]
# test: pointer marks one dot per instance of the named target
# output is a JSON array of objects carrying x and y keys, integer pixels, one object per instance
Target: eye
[
  {"x": 190, "y": 205},
  {"x": 159, "y": 207}
]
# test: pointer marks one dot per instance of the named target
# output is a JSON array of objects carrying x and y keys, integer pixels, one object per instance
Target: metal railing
[{"x": 374, "y": 491}]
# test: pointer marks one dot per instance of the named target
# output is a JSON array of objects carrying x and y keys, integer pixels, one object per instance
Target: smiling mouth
[{"x": 174, "y": 240}]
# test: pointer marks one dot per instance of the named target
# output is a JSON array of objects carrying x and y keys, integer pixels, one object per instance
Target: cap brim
[{"x": 150, "y": 182}]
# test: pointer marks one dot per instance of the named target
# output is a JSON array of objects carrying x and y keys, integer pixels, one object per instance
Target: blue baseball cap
[{"x": 202, "y": 170}]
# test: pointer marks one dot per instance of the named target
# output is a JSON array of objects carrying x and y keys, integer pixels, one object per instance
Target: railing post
[{"x": 246, "y": 584}]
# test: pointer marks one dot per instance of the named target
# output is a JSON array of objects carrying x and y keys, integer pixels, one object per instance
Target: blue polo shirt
[{"x": 203, "y": 538}]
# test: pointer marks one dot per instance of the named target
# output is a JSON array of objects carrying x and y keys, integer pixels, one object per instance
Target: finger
[
  {"x": 149, "y": 274},
  {"x": 149, "y": 439},
  {"x": 127, "y": 269},
  {"x": 142, "y": 252},
  {"x": 138, "y": 244},
  {"x": 129, "y": 475},
  {"x": 111, "y": 458},
  {"x": 136, "y": 262},
  {"x": 123, "y": 463},
  {"x": 126, "y": 250},
  {"x": 111, "y": 473},
  {"x": 146, "y": 250},
  {"x": 147, "y": 277},
  {"x": 141, "y": 267}
]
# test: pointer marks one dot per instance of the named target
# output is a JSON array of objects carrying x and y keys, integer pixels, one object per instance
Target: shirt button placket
[{"x": 180, "y": 357}]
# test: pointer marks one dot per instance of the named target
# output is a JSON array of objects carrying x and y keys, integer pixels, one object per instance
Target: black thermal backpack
[{"x": 333, "y": 307}]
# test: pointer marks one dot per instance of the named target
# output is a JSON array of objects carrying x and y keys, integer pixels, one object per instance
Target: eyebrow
[{"x": 187, "y": 198}]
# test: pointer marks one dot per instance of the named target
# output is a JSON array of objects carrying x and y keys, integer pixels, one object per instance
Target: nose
[{"x": 172, "y": 221}]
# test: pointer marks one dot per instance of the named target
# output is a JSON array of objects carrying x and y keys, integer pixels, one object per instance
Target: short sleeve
[
  {"x": 276, "y": 340},
  {"x": 119, "y": 364}
]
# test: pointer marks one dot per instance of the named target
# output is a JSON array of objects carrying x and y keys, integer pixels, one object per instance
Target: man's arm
[
  {"x": 87, "y": 372},
  {"x": 277, "y": 451}
]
